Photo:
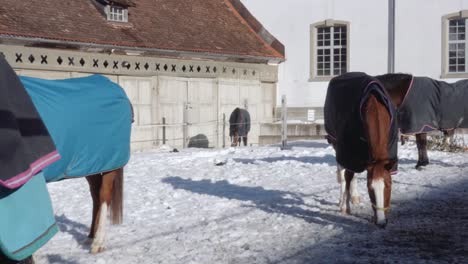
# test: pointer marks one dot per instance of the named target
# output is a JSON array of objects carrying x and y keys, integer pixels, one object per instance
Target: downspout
[{"x": 391, "y": 36}]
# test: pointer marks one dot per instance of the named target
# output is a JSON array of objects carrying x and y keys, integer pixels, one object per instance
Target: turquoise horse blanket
[
  {"x": 27, "y": 220},
  {"x": 89, "y": 120}
]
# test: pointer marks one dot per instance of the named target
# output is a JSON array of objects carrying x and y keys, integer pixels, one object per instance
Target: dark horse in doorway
[
  {"x": 76, "y": 127},
  {"x": 360, "y": 123},
  {"x": 239, "y": 126},
  {"x": 424, "y": 105}
]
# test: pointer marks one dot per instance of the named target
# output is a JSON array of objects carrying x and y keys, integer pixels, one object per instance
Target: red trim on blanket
[{"x": 34, "y": 168}]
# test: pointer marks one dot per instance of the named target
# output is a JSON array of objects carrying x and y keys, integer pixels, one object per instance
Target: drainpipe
[{"x": 391, "y": 36}]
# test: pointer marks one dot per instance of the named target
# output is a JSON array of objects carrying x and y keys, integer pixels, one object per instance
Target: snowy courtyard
[{"x": 264, "y": 205}]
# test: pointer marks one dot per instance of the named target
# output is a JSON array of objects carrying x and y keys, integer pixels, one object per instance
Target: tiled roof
[{"x": 206, "y": 26}]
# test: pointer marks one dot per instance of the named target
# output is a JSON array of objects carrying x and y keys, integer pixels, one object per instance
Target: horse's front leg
[
  {"x": 448, "y": 137},
  {"x": 421, "y": 143},
  {"x": 340, "y": 177}
]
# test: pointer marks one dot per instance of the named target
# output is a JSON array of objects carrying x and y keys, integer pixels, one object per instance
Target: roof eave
[{"x": 130, "y": 50}]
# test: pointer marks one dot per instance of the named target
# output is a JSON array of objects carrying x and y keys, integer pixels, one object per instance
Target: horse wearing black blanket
[
  {"x": 239, "y": 126},
  {"x": 424, "y": 105},
  {"x": 361, "y": 125}
]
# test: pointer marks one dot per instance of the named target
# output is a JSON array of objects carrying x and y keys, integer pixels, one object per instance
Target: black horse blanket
[
  {"x": 25, "y": 144},
  {"x": 344, "y": 121},
  {"x": 239, "y": 122},
  {"x": 430, "y": 104}
]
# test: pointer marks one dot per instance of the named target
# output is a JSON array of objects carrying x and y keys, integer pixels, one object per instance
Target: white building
[{"x": 359, "y": 33}]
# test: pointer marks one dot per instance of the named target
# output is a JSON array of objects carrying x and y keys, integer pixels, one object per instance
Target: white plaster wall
[
  {"x": 418, "y": 38},
  {"x": 418, "y": 44},
  {"x": 290, "y": 21}
]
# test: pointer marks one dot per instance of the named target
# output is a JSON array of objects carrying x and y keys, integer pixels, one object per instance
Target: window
[
  {"x": 114, "y": 10},
  {"x": 117, "y": 13},
  {"x": 329, "y": 50},
  {"x": 455, "y": 45}
]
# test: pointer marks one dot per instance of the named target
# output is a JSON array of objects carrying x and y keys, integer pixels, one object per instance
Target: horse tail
[{"x": 116, "y": 204}]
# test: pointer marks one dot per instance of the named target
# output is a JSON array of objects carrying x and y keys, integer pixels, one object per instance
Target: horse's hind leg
[
  {"x": 94, "y": 182},
  {"x": 110, "y": 201},
  {"x": 421, "y": 142}
]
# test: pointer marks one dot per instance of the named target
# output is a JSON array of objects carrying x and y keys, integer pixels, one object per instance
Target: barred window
[
  {"x": 329, "y": 49},
  {"x": 457, "y": 46},
  {"x": 117, "y": 13}
]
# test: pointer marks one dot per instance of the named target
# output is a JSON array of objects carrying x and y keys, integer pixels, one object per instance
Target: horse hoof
[
  {"x": 420, "y": 167},
  {"x": 97, "y": 249},
  {"x": 355, "y": 200},
  {"x": 421, "y": 164},
  {"x": 382, "y": 224},
  {"x": 86, "y": 241},
  {"x": 345, "y": 211}
]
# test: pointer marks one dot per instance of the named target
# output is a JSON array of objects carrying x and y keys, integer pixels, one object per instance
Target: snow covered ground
[{"x": 265, "y": 205}]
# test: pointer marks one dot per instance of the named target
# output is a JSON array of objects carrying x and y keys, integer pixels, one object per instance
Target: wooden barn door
[
  {"x": 202, "y": 112},
  {"x": 141, "y": 92},
  {"x": 172, "y": 96}
]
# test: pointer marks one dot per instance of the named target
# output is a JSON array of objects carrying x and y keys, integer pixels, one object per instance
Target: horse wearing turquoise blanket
[{"x": 81, "y": 128}]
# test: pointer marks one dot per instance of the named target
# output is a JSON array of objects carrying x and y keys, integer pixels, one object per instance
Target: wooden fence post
[
  {"x": 224, "y": 130},
  {"x": 164, "y": 130},
  {"x": 284, "y": 123}
]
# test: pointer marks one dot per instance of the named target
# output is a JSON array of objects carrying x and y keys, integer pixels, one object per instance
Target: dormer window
[
  {"x": 117, "y": 13},
  {"x": 114, "y": 10}
]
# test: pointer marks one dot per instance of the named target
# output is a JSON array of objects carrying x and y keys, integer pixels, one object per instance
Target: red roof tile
[{"x": 212, "y": 26}]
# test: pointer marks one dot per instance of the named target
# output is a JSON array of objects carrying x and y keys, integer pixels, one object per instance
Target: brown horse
[
  {"x": 363, "y": 132},
  {"x": 398, "y": 86}
]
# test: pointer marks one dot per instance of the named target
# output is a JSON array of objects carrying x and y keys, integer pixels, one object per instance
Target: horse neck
[
  {"x": 396, "y": 85},
  {"x": 378, "y": 122}
]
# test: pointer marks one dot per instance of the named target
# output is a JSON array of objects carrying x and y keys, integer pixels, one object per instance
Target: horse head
[{"x": 379, "y": 185}]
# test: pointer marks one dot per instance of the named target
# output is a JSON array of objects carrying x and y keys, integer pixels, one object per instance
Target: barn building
[{"x": 184, "y": 64}]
